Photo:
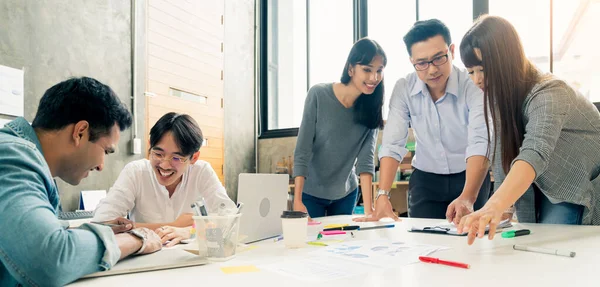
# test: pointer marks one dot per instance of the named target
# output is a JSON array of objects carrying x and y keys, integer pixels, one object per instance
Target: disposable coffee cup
[{"x": 294, "y": 225}]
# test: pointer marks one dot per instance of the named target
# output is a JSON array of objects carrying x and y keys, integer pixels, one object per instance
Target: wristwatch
[
  {"x": 381, "y": 192},
  {"x": 140, "y": 235}
]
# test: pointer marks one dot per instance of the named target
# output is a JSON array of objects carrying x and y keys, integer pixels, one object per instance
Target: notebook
[
  {"x": 450, "y": 229},
  {"x": 164, "y": 259}
]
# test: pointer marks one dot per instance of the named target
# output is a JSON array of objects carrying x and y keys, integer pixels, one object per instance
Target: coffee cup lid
[{"x": 294, "y": 214}]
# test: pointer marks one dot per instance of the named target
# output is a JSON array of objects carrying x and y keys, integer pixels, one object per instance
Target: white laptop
[
  {"x": 164, "y": 259},
  {"x": 265, "y": 198}
]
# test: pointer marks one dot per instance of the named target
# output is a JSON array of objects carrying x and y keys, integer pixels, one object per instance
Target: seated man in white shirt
[{"x": 159, "y": 192}]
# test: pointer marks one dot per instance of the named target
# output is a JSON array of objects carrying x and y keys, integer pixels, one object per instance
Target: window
[
  {"x": 532, "y": 21},
  {"x": 389, "y": 35},
  {"x": 286, "y": 63},
  {"x": 307, "y": 43},
  {"x": 575, "y": 53},
  {"x": 456, "y": 14},
  {"x": 330, "y": 33}
]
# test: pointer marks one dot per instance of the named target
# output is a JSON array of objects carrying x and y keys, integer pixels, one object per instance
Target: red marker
[{"x": 444, "y": 262}]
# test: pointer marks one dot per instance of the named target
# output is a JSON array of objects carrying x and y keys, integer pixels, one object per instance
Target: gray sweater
[
  {"x": 562, "y": 144},
  {"x": 329, "y": 145}
]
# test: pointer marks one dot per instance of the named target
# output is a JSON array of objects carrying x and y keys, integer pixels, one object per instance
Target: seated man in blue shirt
[
  {"x": 78, "y": 122},
  {"x": 445, "y": 110}
]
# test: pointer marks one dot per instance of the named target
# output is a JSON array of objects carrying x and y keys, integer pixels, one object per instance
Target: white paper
[
  {"x": 91, "y": 198},
  {"x": 380, "y": 253},
  {"x": 351, "y": 258},
  {"x": 317, "y": 268},
  {"x": 11, "y": 91}
]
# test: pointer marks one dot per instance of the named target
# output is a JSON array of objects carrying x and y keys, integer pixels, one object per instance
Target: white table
[{"x": 493, "y": 263}]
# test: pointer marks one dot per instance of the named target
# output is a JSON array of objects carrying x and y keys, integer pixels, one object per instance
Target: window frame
[{"x": 360, "y": 27}]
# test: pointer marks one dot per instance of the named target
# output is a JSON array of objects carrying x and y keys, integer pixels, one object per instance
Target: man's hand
[
  {"x": 383, "y": 209},
  {"x": 120, "y": 224},
  {"x": 184, "y": 220},
  {"x": 459, "y": 208},
  {"x": 153, "y": 242},
  {"x": 172, "y": 234}
]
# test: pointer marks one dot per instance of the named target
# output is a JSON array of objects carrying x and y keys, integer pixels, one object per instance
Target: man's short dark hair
[
  {"x": 82, "y": 99},
  {"x": 185, "y": 130},
  {"x": 423, "y": 30}
]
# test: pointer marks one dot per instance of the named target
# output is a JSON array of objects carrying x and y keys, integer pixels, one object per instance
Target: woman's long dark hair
[
  {"x": 367, "y": 108},
  {"x": 509, "y": 77}
]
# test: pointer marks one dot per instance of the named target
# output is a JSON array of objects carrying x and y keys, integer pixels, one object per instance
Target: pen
[
  {"x": 278, "y": 238},
  {"x": 316, "y": 243},
  {"x": 196, "y": 209},
  {"x": 513, "y": 233},
  {"x": 332, "y": 232},
  {"x": 201, "y": 204},
  {"x": 349, "y": 227},
  {"x": 107, "y": 224},
  {"x": 376, "y": 227},
  {"x": 443, "y": 262},
  {"x": 544, "y": 250}
]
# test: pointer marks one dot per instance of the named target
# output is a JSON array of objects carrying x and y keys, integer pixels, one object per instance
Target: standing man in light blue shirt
[{"x": 445, "y": 110}]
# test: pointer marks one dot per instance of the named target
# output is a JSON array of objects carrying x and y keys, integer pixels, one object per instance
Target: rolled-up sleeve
[
  {"x": 395, "y": 132},
  {"x": 476, "y": 131},
  {"x": 365, "y": 162},
  {"x": 546, "y": 113},
  {"x": 306, "y": 135},
  {"x": 34, "y": 247}
]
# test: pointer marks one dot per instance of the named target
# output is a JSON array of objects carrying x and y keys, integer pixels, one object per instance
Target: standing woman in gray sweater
[
  {"x": 338, "y": 134},
  {"x": 547, "y": 150}
]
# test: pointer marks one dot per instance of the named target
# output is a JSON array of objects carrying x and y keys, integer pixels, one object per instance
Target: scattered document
[
  {"x": 12, "y": 92},
  {"x": 380, "y": 253},
  {"x": 352, "y": 258},
  {"x": 317, "y": 268}
]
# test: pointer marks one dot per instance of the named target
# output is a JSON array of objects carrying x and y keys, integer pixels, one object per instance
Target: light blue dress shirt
[
  {"x": 35, "y": 248},
  {"x": 447, "y": 132}
]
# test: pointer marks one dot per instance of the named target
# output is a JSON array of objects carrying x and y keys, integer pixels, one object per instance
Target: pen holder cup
[{"x": 217, "y": 236}]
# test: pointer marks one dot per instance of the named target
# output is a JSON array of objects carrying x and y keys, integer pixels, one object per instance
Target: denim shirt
[{"x": 35, "y": 248}]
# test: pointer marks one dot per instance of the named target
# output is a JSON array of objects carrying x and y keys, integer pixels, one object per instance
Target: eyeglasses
[
  {"x": 174, "y": 160},
  {"x": 437, "y": 61}
]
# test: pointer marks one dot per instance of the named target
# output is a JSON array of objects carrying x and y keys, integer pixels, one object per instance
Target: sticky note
[{"x": 239, "y": 269}]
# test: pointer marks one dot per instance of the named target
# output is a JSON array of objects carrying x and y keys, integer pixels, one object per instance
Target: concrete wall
[
  {"x": 54, "y": 40},
  {"x": 239, "y": 91}
]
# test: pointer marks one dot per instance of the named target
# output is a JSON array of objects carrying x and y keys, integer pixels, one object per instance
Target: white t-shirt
[{"x": 137, "y": 190}]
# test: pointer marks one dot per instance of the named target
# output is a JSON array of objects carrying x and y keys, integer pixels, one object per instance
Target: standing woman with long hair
[
  {"x": 547, "y": 136},
  {"x": 338, "y": 134}
]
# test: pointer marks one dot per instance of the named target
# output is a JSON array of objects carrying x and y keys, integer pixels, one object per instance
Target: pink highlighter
[{"x": 333, "y": 232}]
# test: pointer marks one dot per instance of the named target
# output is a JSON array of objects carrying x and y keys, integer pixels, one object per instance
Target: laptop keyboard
[{"x": 70, "y": 215}]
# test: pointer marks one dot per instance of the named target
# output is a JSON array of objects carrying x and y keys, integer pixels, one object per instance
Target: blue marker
[{"x": 377, "y": 227}]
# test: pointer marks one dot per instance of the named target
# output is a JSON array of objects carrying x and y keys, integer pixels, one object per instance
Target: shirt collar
[
  {"x": 451, "y": 86},
  {"x": 21, "y": 128}
]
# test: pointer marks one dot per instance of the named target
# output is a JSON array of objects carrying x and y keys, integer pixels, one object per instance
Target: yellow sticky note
[
  {"x": 239, "y": 269},
  {"x": 335, "y": 225}
]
